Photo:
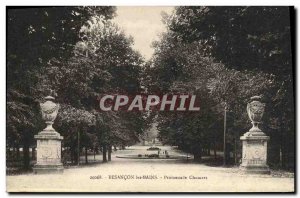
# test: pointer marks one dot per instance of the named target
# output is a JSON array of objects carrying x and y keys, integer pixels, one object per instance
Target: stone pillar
[
  {"x": 255, "y": 153},
  {"x": 48, "y": 142},
  {"x": 254, "y": 157}
]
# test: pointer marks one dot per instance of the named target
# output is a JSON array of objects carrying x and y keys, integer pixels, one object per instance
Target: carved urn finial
[
  {"x": 255, "y": 110},
  {"x": 49, "y": 112}
]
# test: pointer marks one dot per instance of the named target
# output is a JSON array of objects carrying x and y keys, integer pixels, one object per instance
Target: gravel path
[{"x": 149, "y": 175}]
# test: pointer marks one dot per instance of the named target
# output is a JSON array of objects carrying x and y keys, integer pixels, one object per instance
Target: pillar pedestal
[
  {"x": 254, "y": 158},
  {"x": 48, "y": 153}
]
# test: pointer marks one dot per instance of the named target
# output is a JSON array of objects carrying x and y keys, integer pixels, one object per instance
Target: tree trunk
[
  {"x": 94, "y": 154},
  {"x": 71, "y": 155},
  {"x": 281, "y": 143},
  {"x": 104, "y": 151},
  {"x": 208, "y": 150},
  {"x": 26, "y": 157},
  {"x": 33, "y": 157},
  {"x": 86, "y": 155},
  {"x": 8, "y": 153},
  {"x": 14, "y": 153},
  {"x": 109, "y": 152},
  {"x": 197, "y": 156},
  {"x": 78, "y": 148},
  {"x": 18, "y": 152},
  {"x": 215, "y": 151},
  {"x": 75, "y": 155},
  {"x": 235, "y": 152}
]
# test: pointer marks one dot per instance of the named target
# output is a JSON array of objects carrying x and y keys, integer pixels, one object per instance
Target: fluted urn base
[
  {"x": 48, "y": 153},
  {"x": 254, "y": 158}
]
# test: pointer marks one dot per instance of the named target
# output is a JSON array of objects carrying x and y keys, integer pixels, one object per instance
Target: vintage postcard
[{"x": 194, "y": 99}]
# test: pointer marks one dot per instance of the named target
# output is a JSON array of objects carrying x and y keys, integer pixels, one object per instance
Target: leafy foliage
[
  {"x": 224, "y": 55},
  {"x": 100, "y": 64},
  {"x": 45, "y": 53}
]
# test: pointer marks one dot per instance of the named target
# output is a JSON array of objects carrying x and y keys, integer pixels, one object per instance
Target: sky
[{"x": 144, "y": 24}]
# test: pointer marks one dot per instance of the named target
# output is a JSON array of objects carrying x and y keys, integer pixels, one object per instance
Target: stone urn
[
  {"x": 254, "y": 157},
  {"x": 49, "y": 112},
  {"x": 48, "y": 141},
  {"x": 255, "y": 110}
]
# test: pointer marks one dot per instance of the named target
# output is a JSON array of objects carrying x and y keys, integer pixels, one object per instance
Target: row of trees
[
  {"x": 225, "y": 55},
  {"x": 77, "y": 54}
]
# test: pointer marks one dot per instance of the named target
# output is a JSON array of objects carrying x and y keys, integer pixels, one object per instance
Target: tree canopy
[
  {"x": 77, "y": 54},
  {"x": 225, "y": 55}
]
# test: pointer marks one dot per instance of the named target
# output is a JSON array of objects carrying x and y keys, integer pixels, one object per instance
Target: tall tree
[
  {"x": 100, "y": 64},
  {"x": 34, "y": 36},
  {"x": 191, "y": 57},
  {"x": 248, "y": 38}
]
